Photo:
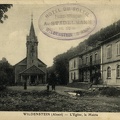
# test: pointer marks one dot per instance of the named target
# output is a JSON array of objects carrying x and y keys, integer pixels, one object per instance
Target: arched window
[
  {"x": 108, "y": 72},
  {"x": 118, "y": 71}
]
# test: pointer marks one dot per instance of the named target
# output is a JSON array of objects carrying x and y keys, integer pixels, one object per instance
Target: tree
[
  {"x": 3, "y": 78},
  {"x": 3, "y": 9},
  {"x": 6, "y": 73}
]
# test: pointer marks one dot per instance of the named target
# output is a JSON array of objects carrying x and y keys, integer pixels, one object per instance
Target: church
[{"x": 31, "y": 69}]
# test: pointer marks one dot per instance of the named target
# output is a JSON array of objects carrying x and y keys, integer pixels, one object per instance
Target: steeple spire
[
  {"x": 32, "y": 31},
  {"x": 32, "y": 17}
]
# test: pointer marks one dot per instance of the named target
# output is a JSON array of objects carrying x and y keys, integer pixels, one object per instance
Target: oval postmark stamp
[{"x": 67, "y": 22}]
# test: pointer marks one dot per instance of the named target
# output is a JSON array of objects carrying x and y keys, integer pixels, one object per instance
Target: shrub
[
  {"x": 2, "y": 87},
  {"x": 110, "y": 91}
]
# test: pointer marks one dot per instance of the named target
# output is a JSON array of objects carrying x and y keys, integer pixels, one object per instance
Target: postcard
[{"x": 60, "y": 60}]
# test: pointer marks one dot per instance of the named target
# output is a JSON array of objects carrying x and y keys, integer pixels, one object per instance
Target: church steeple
[
  {"x": 32, "y": 31},
  {"x": 32, "y": 43}
]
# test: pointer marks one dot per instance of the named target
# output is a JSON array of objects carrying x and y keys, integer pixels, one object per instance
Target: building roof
[
  {"x": 33, "y": 70},
  {"x": 90, "y": 50},
  {"x": 32, "y": 32},
  {"x": 110, "y": 39},
  {"x": 32, "y": 37},
  {"x": 22, "y": 61},
  {"x": 85, "y": 52},
  {"x": 41, "y": 62}
]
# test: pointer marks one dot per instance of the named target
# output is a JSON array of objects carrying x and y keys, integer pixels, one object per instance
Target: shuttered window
[
  {"x": 118, "y": 71},
  {"x": 109, "y": 51},
  {"x": 118, "y": 48}
]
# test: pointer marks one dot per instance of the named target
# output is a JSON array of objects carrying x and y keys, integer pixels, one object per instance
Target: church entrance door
[{"x": 33, "y": 79}]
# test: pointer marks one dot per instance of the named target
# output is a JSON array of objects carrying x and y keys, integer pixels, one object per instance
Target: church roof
[
  {"x": 41, "y": 62},
  {"x": 33, "y": 70},
  {"x": 22, "y": 62}
]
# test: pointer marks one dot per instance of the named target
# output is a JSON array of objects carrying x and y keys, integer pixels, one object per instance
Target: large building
[
  {"x": 100, "y": 64},
  {"x": 31, "y": 69},
  {"x": 111, "y": 60},
  {"x": 86, "y": 66}
]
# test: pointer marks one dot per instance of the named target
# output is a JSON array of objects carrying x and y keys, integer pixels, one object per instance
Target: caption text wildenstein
[{"x": 60, "y": 114}]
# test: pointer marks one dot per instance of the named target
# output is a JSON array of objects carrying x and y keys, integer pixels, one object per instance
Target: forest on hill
[{"x": 61, "y": 61}]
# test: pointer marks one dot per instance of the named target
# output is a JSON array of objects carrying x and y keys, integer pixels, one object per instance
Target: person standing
[
  {"x": 53, "y": 81},
  {"x": 48, "y": 82}
]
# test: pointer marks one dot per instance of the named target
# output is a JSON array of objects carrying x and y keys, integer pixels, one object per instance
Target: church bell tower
[{"x": 32, "y": 44}]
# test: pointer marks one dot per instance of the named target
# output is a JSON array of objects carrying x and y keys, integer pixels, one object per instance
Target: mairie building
[
  {"x": 97, "y": 65},
  {"x": 31, "y": 69}
]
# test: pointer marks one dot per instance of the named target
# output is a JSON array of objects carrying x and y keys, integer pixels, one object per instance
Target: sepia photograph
[{"x": 62, "y": 58}]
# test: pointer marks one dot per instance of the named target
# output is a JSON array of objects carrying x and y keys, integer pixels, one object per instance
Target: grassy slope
[{"x": 13, "y": 100}]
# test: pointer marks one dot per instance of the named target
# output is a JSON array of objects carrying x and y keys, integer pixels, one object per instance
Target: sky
[{"x": 14, "y": 30}]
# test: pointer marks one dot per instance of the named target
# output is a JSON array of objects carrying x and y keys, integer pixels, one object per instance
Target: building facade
[
  {"x": 85, "y": 67},
  {"x": 74, "y": 69},
  {"x": 90, "y": 65},
  {"x": 99, "y": 65},
  {"x": 31, "y": 69},
  {"x": 111, "y": 60}
]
